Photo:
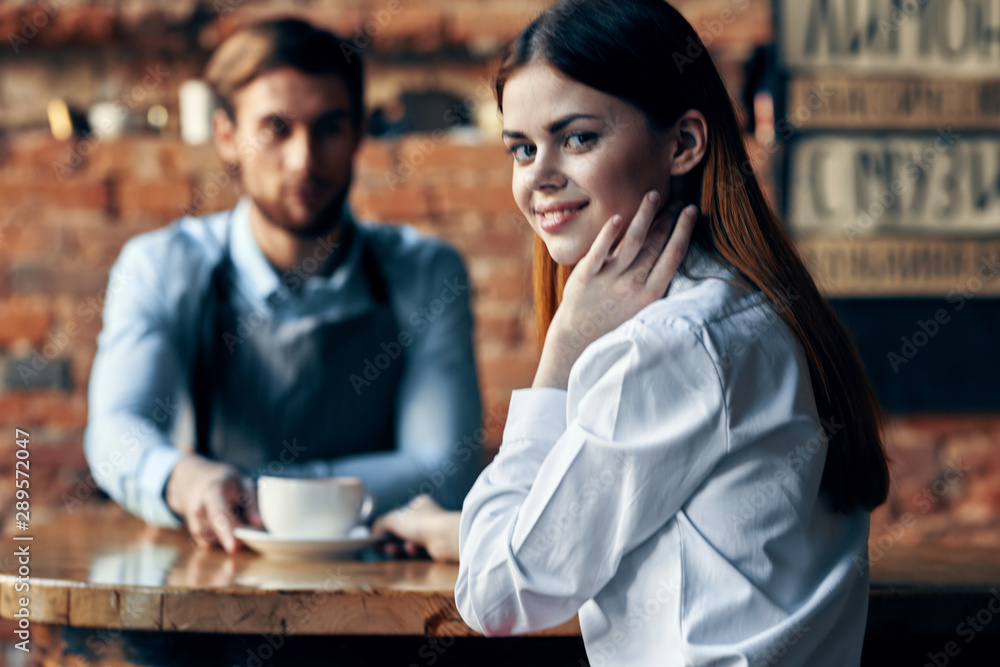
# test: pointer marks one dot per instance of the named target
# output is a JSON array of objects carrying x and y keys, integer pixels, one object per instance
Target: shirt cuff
[
  {"x": 157, "y": 465},
  {"x": 536, "y": 414}
]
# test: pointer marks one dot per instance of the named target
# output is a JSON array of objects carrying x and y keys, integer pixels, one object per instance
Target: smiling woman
[
  {"x": 669, "y": 396},
  {"x": 581, "y": 156}
]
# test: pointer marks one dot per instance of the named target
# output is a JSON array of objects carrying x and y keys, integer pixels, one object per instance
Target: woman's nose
[{"x": 547, "y": 173}]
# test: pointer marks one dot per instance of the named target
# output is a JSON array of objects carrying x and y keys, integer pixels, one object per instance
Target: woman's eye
[
  {"x": 522, "y": 152},
  {"x": 580, "y": 139}
]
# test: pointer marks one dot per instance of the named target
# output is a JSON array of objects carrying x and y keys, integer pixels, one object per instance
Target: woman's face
[{"x": 580, "y": 157}]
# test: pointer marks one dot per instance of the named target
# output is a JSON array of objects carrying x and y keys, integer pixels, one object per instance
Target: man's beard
[{"x": 322, "y": 223}]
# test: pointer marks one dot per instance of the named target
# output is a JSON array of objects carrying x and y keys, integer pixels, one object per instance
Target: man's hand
[{"x": 212, "y": 498}]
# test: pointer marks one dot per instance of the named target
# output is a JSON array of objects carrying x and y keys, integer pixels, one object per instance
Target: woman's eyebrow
[{"x": 556, "y": 126}]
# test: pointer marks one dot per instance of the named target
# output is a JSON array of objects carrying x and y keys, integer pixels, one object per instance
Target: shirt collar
[
  {"x": 256, "y": 274},
  {"x": 698, "y": 265}
]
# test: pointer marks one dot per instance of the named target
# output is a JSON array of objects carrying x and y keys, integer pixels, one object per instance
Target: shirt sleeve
[
  {"x": 134, "y": 392},
  {"x": 439, "y": 412},
  {"x": 586, "y": 475}
]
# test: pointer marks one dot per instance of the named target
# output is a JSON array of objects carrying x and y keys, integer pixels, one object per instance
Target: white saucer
[{"x": 304, "y": 549}]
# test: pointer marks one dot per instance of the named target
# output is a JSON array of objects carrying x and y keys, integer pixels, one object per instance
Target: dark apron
[{"x": 283, "y": 396}]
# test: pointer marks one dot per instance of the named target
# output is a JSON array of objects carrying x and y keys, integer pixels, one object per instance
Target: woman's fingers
[
  {"x": 594, "y": 260},
  {"x": 673, "y": 253},
  {"x": 635, "y": 235},
  {"x": 656, "y": 240}
]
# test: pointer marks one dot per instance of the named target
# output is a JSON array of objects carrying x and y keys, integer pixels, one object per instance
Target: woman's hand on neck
[{"x": 627, "y": 268}]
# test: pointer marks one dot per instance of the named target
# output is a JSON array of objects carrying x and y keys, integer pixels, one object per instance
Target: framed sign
[
  {"x": 861, "y": 185},
  {"x": 922, "y": 37}
]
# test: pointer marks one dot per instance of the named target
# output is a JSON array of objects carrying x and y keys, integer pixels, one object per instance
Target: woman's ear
[{"x": 690, "y": 141}]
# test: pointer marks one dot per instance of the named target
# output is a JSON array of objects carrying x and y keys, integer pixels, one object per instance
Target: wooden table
[{"x": 107, "y": 588}]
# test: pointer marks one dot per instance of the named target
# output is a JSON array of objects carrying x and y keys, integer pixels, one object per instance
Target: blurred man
[{"x": 306, "y": 342}]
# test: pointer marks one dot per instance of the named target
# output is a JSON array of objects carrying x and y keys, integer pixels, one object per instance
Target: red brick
[
  {"x": 414, "y": 28},
  {"x": 486, "y": 28},
  {"x": 32, "y": 153},
  {"x": 23, "y": 319},
  {"x": 484, "y": 160},
  {"x": 154, "y": 196},
  {"x": 44, "y": 277},
  {"x": 509, "y": 330},
  {"x": 490, "y": 199},
  {"x": 511, "y": 371},
  {"x": 491, "y": 243},
  {"x": 375, "y": 155},
  {"x": 66, "y": 195},
  {"x": 403, "y": 204},
  {"x": 57, "y": 409},
  {"x": 507, "y": 281}
]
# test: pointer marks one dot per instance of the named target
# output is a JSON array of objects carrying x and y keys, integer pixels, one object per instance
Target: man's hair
[{"x": 262, "y": 47}]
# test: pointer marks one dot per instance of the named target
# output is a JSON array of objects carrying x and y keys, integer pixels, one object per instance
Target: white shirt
[{"x": 670, "y": 495}]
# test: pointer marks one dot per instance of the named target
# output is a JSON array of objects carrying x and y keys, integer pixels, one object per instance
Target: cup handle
[{"x": 367, "y": 507}]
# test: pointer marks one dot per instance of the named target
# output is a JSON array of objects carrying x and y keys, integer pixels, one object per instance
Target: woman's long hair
[{"x": 646, "y": 53}]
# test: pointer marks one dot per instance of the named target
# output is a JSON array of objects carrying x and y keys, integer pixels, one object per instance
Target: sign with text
[
  {"x": 952, "y": 37},
  {"x": 850, "y": 186},
  {"x": 957, "y": 269},
  {"x": 849, "y": 102}
]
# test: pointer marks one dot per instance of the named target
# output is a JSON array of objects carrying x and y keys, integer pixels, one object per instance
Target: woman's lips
[{"x": 554, "y": 218}]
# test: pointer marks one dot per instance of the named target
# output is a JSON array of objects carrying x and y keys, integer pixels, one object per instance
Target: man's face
[{"x": 295, "y": 145}]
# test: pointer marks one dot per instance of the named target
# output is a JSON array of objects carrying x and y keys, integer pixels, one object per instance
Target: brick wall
[{"x": 66, "y": 208}]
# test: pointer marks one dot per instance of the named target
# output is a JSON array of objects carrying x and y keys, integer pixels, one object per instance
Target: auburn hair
[{"x": 645, "y": 53}]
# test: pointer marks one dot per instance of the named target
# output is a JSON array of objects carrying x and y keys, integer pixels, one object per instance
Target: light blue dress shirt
[
  {"x": 139, "y": 396},
  {"x": 670, "y": 495}
]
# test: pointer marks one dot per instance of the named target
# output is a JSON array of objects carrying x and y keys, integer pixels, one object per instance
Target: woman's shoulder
[
  {"x": 705, "y": 294},
  {"x": 708, "y": 317}
]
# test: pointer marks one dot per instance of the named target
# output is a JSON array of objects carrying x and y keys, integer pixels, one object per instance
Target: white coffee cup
[{"x": 312, "y": 507}]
